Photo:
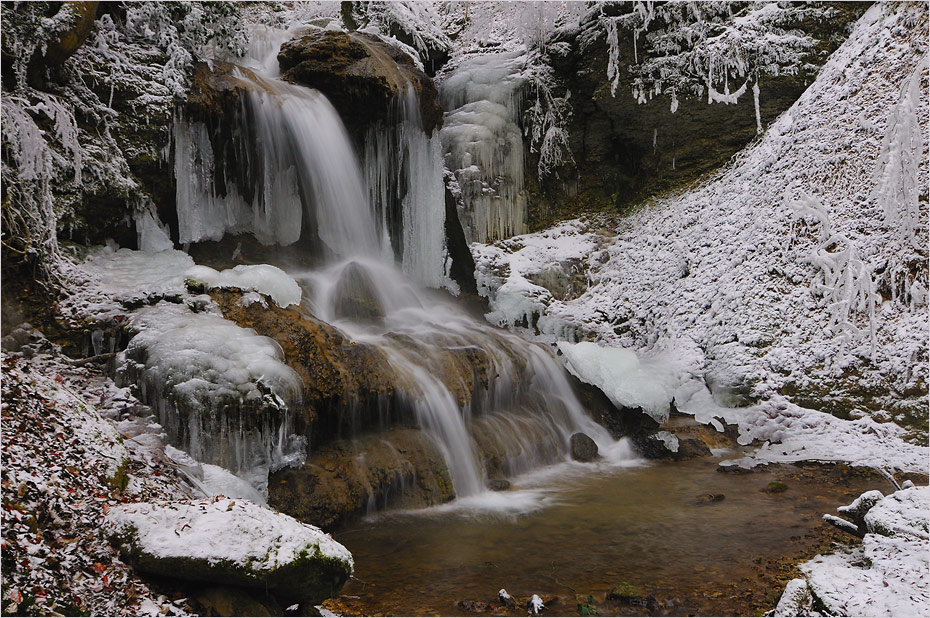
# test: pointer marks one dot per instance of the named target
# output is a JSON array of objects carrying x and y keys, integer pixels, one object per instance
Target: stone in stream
[
  {"x": 709, "y": 499},
  {"x": 233, "y": 543},
  {"x": 629, "y": 594},
  {"x": 498, "y": 484},
  {"x": 583, "y": 447}
]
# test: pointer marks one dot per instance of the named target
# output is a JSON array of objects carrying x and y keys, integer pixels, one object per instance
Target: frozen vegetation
[
  {"x": 784, "y": 273},
  {"x": 785, "y": 295}
]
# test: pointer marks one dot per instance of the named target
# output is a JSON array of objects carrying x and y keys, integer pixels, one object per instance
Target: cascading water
[
  {"x": 511, "y": 411},
  {"x": 305, "y": 174}
]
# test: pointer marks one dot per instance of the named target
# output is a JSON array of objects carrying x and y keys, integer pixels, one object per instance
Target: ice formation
[
  {"x": 220, "y": 391},
  {"x": 403, "y": 170},
  {"x": 483, "y": 142},
  {"x": 619, "y": 373},
  {"x": 262, "y": 278},
  {"x": 305, "y": 162},
  {"x": 152, "y": 234}
]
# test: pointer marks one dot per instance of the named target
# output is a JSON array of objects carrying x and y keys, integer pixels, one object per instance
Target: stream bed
[{"x": 575, "y": 531}]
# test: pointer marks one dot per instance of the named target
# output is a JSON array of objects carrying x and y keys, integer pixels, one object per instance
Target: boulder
[
  {"x": 583, "y": 447},
  {"x": 231, "y": 542},
  {"x": 498, "y": 484},
  {"x": 356, "y": 296},
  {"x": 360, "y": 74},
  {"x": 667, "y": 445}
]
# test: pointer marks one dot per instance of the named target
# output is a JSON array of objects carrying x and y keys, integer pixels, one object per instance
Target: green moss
[
  {"x": 120, "y": 478},
  {"x": 587, "y": 608},
  {"x": 776, "y": 487},
  {"x": 625, "y": 589}
]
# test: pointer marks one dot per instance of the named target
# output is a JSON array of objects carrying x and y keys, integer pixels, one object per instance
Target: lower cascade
[{"x": 360, "y": 242}]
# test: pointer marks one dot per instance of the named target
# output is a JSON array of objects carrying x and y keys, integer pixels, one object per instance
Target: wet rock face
[
  {"x": 341, "y": 481},
  {"x": 360, "y": 74},
  {"x": 626, "y": 150},
  {"x": 583, "y": 448}
]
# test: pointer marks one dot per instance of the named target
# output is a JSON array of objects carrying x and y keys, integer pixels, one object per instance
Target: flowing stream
[{"x": 574, "y": 531}]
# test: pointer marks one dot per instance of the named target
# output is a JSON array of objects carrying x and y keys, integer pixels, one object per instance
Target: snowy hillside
[{"x": 799, "y": 270}]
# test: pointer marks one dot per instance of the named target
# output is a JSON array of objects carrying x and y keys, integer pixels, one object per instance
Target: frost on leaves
[{"x": 715, "y": 49}]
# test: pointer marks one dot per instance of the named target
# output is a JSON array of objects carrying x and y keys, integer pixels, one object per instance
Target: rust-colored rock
[
  {"x": 399, "y": 468},
  {"x": 53, "y": 53},
  {"x": 360, "y": 74}
]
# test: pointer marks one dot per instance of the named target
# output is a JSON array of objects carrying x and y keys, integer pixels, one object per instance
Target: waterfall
[
  {"x": 301, "y": 171},
  {"x": 290, "y": 174}
]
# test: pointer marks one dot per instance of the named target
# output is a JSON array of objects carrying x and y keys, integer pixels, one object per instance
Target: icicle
[{"x": 484, "y": 144}]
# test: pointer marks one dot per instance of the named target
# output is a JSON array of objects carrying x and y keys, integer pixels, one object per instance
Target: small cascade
[
  {"x": 403, "y": 169},
  {"x": 300, "y": 170},
  {"x": 484, "y": 144},
  {"x": 493, "y": 404},
  {"x": 488, "y": 403}
]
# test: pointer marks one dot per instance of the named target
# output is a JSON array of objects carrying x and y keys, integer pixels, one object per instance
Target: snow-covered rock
[
  {"x": 626, "y": 381},
  {"x": 231, "y": 542},
  {"x": 262, "y": 278},
  {"x": 888, "y": 575}
]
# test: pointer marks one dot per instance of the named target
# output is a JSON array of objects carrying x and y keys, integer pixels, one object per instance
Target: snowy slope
[{"x": 799, "y": 269}]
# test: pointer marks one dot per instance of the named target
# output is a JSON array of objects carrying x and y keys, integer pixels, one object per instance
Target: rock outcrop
[
  {"x": 360, "y": 74},
  {"x": 232, "y": 542},
  {"x": 626, "y": 150}
]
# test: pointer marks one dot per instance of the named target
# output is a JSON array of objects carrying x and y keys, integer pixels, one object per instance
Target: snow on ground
[
  {"x": 780, "y": 274},
  {"x": 77, "y": 449},
  {"x": 888, "y": 575},
  {"x": 64, "y": 467}
]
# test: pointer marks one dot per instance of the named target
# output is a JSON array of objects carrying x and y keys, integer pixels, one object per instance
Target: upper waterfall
[{"x": 303, "y": 173}]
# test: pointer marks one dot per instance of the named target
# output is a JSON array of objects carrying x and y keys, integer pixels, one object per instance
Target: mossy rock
[{"x": 233, "y": 543}]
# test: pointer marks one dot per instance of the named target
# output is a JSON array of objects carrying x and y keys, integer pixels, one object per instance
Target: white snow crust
[
  {"x": 888, "y": 575},
  {"x": 223, "y": 530},
  {"x": 621, "y": 376},
  {"x": 201, "y": 357},
  {"x": 782, "y": 270},
  {"x": 262, "y": 278}
]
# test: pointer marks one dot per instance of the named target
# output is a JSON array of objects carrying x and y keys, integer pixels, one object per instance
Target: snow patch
[
  {"x": 263, "y": 278},
  {"x": 619, "y": 373}
]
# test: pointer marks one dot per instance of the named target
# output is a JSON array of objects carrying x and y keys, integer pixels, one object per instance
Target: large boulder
[
  {"x": 360, "y": 74},
  {"x": 231, "y": 542}
]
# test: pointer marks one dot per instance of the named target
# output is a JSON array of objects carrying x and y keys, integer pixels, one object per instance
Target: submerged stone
[{"x": 356, "y": 295}]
